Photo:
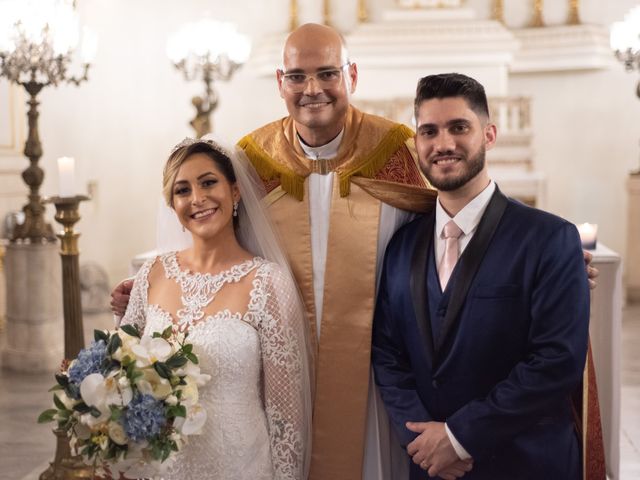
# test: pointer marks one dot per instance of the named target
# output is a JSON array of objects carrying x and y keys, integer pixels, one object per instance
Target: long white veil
[{"x": 255, "y": 233}]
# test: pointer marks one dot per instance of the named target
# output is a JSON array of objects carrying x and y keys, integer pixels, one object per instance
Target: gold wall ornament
[
  {"x": 65, "y": 466},
  {"x": 326, "y": 12},
  {"x": 293, "y": 15},
  {"x": 574, "y": 13},
  {"x": 363, "y": 13},
  {"x": 537, "y": 19},
  {"x": 207, "y": 50},
  {"x": 497, "y": 11}
]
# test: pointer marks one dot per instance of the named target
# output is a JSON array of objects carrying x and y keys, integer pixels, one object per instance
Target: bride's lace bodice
[{"x": 255, "y": 400}]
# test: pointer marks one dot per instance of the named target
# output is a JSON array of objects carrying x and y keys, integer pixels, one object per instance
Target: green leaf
[
  {"x": 131, "y": 330},
  {"x": 127, "y": 360},
  {"x": 95, "y": 412},
  {"x": 47, "y": 415},
  {"x": 167, "y": 332},
  {"x": 64, "y": 415},
  {"x": 58, "y": 403},
  {"x": 177, "y": 411},
  {"x": 56, "y": 388},
  {"x": 82, "y": 408},
  {"x": 116, "y": 413},
  {"x": 62, "y": 379},
  {"x": 176, "y": 361},
  {"x": 156, "y": 335},
  {"x": 192, "y": 357},
  {"x": 163, "y": 370},
  {"x": 188, "y": 348},
  {"x": 166, "y": 451},
  {"x": 100, "y": 335},
  {"x": 114, "y": 343}
]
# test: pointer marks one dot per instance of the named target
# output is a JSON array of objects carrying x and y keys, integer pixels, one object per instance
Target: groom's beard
[{"x": 472, "y": 167}]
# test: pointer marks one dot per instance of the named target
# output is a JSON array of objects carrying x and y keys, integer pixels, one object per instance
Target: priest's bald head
[{"x": 316, "y": 81}]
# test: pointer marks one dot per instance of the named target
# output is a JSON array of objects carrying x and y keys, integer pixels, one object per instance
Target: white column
[{"x": 34, "y": 330}]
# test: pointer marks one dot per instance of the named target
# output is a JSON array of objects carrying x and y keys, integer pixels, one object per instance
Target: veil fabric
[{"x": 256, "y": 233}]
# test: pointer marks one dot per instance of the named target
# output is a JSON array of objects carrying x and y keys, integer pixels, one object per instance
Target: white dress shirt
[{"x": 467, "y": 219}]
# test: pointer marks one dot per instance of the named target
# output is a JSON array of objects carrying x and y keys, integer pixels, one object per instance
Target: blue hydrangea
[
  {"x": 143, "y": 418},
  {"x": 89, "y": 361}
]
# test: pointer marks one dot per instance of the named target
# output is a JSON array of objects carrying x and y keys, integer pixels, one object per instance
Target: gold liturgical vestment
[{"x": 373, "y": 165}]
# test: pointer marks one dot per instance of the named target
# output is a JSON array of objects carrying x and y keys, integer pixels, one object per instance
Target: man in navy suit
[{"x": 479, "y": 338}]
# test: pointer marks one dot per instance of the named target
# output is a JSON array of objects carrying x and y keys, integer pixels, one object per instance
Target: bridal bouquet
[{"x": 129, "y": 401}]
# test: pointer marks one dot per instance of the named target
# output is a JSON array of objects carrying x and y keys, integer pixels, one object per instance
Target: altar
[{"x": 605, "y": 329}]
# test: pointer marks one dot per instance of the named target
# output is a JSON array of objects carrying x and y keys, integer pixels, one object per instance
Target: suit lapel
[
  {"x": 470, "y": 261},
  {"x": 418, "y": 281}
]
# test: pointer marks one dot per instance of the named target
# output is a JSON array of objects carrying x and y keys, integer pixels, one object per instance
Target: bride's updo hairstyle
[{"x": 182, "y": 151}]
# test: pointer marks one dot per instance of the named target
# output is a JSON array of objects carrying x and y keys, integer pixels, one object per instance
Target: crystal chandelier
[
  {"x": 38, "y": 40},
  {"x": 208, "y": 50}
]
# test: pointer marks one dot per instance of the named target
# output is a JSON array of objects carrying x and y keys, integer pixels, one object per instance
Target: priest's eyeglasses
[{"x": 296, "y": 82}]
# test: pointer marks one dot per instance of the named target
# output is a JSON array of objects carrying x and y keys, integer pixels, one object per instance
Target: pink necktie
[{"x": 451, "y": 234}]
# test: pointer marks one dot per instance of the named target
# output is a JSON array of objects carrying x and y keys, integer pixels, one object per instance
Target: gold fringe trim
[
  {"x": 376, "y": 160},
  {"x": 268, "y": 168}
]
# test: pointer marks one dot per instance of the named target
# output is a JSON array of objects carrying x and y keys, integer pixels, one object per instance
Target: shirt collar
[
  {"x": 326, "y": 151},
  {"x": 469, "y": 217}
]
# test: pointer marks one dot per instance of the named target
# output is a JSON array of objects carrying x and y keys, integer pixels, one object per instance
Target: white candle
[
  {"x": 66, "y": 176},
  {"x": 588, "y": 235}
]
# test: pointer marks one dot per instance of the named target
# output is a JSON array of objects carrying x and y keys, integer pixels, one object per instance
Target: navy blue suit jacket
[{"x": 512, "y": 348}]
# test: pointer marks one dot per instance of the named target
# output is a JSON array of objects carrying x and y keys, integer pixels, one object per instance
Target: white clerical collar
[
  {"x": 469, "y": 217},
  {"x": 326, "y": 151}
]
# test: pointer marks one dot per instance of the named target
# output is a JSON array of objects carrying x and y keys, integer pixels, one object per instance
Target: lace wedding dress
[{"x": 254, "y": 400}]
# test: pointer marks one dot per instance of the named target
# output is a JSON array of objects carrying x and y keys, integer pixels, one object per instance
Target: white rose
[{"x": 117, "y": 434}]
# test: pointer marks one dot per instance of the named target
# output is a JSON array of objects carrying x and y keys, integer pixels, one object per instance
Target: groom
[{"x": 481, "y": 325}]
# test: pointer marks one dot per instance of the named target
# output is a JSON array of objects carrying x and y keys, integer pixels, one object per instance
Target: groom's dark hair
[{"x": 445, "y": 85}]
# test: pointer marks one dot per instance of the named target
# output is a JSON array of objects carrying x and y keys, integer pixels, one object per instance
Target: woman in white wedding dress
[{"x": 234, "y": 294}]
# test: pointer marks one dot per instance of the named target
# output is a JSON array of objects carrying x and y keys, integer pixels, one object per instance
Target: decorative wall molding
[{"x": 562, "y": 48}]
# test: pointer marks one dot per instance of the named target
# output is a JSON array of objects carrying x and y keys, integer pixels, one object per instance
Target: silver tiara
[{"x": 188, "y": 141}]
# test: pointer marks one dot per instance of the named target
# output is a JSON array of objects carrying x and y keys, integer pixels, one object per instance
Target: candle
[
  {"x": 588, "y": 233},
  {"x": 66, "y": 176}
]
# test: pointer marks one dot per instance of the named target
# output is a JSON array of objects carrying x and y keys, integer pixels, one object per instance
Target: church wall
[{"x": 121, "y": 124}]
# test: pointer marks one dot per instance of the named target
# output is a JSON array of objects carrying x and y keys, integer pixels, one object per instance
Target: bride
[{"x": 232, "y": 291}]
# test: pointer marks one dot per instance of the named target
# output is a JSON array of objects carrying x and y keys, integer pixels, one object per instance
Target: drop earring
[
  {"x": 235, "y": 209},
  {"x": 184, "y": 229}
]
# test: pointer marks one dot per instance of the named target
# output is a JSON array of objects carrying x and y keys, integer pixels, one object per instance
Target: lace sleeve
[
  {"x": 135, "y": 313},
  {"x": 285, "y": 361}
]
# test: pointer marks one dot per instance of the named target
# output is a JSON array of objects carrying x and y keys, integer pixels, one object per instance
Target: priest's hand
[
  {"x": 120, "y": 297},
  {"x": 432, "y": 450},
  {"x": 592, "y": 272}
]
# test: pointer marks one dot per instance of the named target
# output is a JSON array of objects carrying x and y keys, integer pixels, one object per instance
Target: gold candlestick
[
  {"x": 326, "y": 12},
  {"x": 293, "y": 16},
  {"x": 537, "y": 20},
  {"x": 574, "y": 13},
  {"x": 363, "y": 14},
  {"x": 65, "y": 466},
  {"x": 498, "y": 11}
]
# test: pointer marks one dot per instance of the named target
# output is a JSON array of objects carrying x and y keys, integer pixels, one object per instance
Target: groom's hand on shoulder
[
  {"x": 432, "y": 451},
  {"x": 120, "y": 297}
]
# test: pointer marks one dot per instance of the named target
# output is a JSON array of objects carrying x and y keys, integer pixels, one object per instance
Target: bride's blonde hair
[{"x": 182, "y": 151}]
